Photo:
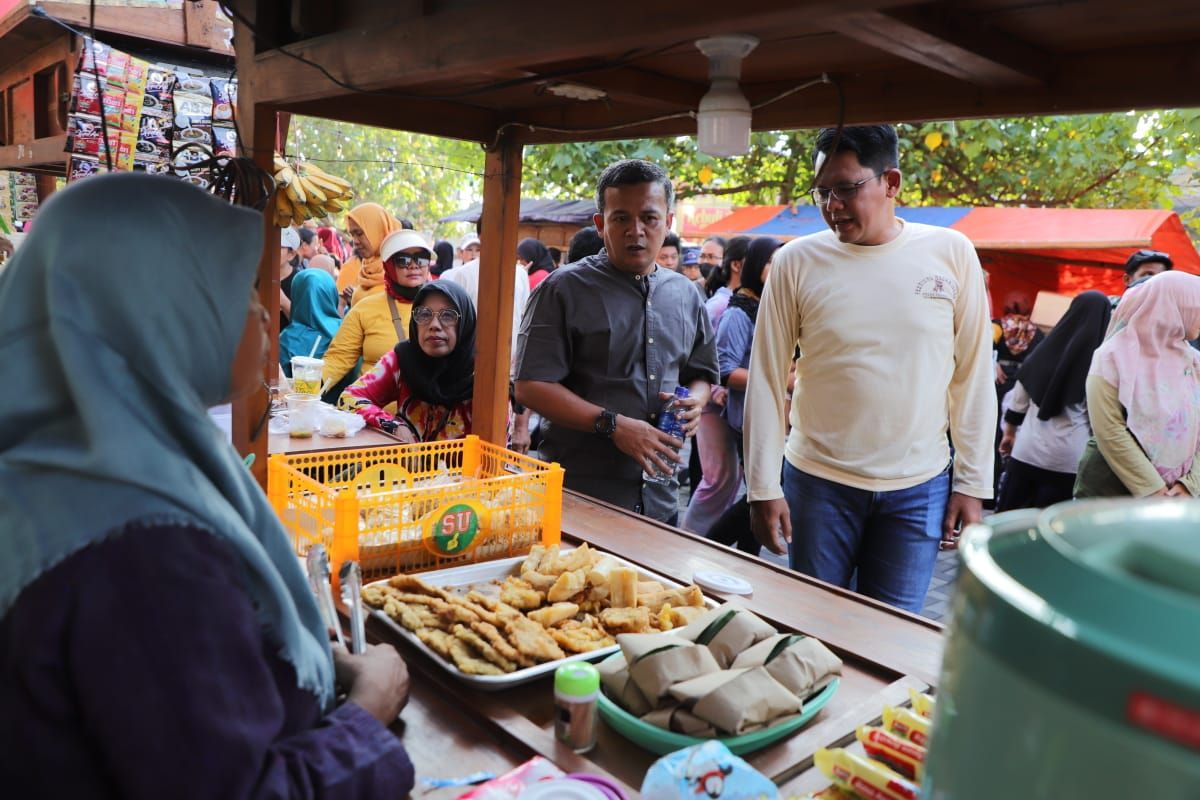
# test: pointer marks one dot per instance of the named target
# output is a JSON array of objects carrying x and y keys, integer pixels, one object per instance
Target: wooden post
[
  {"x": 258, "y": 128},
  {"x": 497, "y": 276}
]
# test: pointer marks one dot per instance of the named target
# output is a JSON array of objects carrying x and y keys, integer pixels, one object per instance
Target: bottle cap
[
  {"x": 682, "y": 391},
  {"x": 722, "y": 582},
  {"x": 576, "y": 679}
]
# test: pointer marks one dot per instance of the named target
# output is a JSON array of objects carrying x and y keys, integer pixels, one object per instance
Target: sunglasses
[
  {"x": 401, "y": 260},
  {"x": 448, "y": 317}
]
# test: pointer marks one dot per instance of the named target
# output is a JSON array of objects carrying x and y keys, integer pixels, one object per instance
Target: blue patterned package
[{"x": 706, "y": 771}]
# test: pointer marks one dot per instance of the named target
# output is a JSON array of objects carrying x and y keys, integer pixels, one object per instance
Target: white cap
[
  {"x": 467, "y": 241},
  {"x": 289, "y": 238},
  {"x": 402, "y": 239}
]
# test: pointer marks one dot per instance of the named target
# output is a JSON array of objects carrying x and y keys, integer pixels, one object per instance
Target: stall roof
[
  {"x": 534, "y": 211},
  {"x": 1102, "y": 237}
]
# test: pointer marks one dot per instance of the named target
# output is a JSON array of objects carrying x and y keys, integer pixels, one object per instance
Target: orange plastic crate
[{"x": 408, "y": 508}]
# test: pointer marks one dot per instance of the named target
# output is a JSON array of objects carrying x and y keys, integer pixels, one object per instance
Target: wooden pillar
[
  {"x": 497, "y": 274},
  {"x": 257, "y": 125}
]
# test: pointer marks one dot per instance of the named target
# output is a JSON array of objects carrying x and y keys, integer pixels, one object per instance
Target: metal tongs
[
  {"x": 351, "y": 580},
  {"x": 319, "y": 575}
]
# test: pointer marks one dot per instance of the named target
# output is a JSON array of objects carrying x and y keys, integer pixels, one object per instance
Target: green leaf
[{"x": 715, "y": 627}]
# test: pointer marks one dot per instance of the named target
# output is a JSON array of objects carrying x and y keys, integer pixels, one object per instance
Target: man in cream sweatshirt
[{"x": 891, "y": 322}]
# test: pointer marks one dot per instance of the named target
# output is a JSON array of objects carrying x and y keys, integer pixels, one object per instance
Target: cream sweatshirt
[{"x": 895, "y": 349}]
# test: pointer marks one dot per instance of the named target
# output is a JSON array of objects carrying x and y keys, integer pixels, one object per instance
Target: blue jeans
[{"x": 890, "y": 538}]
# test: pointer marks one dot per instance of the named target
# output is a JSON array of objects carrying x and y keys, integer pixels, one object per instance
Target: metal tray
[{"x": 498, "y": 570}]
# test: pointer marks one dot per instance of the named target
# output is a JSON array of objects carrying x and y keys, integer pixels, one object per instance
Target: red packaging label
[{"x": 1164, "y": 718}]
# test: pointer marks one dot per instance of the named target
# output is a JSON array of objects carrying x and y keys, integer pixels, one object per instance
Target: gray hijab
[{"x": 119, "y": 319}]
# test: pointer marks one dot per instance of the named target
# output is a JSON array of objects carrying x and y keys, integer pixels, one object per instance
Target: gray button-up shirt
[{"x": 615, "y": 340}]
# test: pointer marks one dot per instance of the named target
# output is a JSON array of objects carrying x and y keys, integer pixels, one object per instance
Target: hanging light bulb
[{"x": 724, "y": 115}]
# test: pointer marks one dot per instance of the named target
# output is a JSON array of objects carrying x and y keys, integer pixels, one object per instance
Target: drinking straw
[{"x": 313, "y": 353}]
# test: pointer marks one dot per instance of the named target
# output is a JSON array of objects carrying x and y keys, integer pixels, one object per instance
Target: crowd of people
[{"x": 853, "y": 403}]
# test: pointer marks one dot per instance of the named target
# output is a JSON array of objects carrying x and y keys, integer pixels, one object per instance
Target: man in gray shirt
[{"x": 605, "y": 341}]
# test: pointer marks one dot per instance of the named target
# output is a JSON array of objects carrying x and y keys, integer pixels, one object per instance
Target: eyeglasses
[
  {"x": 844, "y": 193},
  {"x": 448, "y": 317},
  {"x": 401, "y": 260}
]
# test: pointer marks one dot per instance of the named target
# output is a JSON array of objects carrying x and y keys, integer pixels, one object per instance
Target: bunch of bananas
[{"x": 306, "y": 192}]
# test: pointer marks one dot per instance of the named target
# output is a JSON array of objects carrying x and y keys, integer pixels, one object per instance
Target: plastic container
[
  {"x": 576, "y": 690},
  {"x": 303, "y": 415},
  {"x": 408, "y": 508},
  {"x": 668, "y": 422},
  {"x": 306, "y": 375}
]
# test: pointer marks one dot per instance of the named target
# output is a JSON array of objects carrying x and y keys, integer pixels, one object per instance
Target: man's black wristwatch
[{"x": 606, "y": 423}]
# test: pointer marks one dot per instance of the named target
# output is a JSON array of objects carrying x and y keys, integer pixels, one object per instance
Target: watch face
[{"x": 606, "y": 423}]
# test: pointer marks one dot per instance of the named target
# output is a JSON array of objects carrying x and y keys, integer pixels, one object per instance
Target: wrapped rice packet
[
  {"x": 680, "y": 720},
  {"x": 749, "y": 701},
  {"x": 620, "y": 688},
  {"x": 727, "y": 631},
  {"x": 657, "y": 670},
  {"x": 801, "y": 663}
]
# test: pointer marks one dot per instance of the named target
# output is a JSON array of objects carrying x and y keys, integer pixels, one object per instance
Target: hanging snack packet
[
  {"x": 900, "y": 754},
  {"x": 864, "y": 777},
  {"x": 906, "y": 723},
  {"x": 923, "y": 704}
]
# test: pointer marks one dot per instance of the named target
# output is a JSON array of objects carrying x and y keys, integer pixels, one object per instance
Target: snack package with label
[
  {"x": 83, "y": 167},
  {"x": 907, "y": 724},
  {"x": 706, "y": 770},
  {"x": 864, "y": 777},
  {"x": 923, "y": 704},
  {"x": 510, "y": 784},
  {"x": 900, "y": 754}
]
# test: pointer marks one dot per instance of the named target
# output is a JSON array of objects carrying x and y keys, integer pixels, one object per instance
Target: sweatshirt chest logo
[{"x": 937, "y": 287}]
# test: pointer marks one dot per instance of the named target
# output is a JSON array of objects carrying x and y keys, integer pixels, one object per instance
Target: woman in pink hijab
[{"x": 1143, "y": 394}]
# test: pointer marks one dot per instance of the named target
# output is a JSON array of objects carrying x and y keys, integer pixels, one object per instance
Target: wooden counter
[
  {"x": 367, "y": 437},
  {"x": 885, "y": 651}
]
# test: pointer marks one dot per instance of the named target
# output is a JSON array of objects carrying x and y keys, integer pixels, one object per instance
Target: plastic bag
[{"x": 706, "y": 772}]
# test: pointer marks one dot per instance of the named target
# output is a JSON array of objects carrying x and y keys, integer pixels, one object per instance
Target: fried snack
[
  {"x": 549, "y": 563},
  {"x": 410, "y": 616},
  {"x": 437, "y": 640},
  {"x": 687, "y": 596},
  {"x": 625, "y": 620},
  {"x": 496, "y": 639},
  {"x": 451, "y": 613},
  {"x": 579, "y": 558},
  {"x": 567, "y": 586},
  {"x": 531, "y": 562},
  {"x": 374, "y": 596},
  {"x": 664, "y": 621},
  {"x": 497, "y": 610},
  {"x": 520, "y": 595},
  {"x": 601, "y": 569},
  {"x": 649, "y": 587},
  {"x": 466, "y": 660},
  {"x": 683, "y": 616},
  {"x": 484, "y": 648},
  {"x": 414, "y": 599},
  {"x": 532, "y": 640},
  {"x": 577, "y": 636},
  {"x": 552, "y": 615},
  {"x": 414, "y": 585},
  {"x": 539, "y": 582},
  {"x": 598, "y": 594},
  {"x": 622, "y": 586}
]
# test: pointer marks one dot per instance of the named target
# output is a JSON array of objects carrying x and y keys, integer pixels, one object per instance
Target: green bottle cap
[{"x": 577, "y": 679}]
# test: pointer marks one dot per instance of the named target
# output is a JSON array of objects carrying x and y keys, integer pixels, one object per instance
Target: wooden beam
[
  {"x": 497, "y": 281},
  {"x": 463, "y": 42},
  {"x": 154, "y": 24},
  {"x": 35, "y": 152},
  {"x": 951, "y": 45},
  {"x": 418, "y": 116},
  {"x": 643, "y": 87}
]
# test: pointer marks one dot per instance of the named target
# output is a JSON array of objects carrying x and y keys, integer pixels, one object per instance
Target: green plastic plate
[{"x": 657, "y": 740}]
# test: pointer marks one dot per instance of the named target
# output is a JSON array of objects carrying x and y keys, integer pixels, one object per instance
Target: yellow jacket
[{"x": 366, "y": 332}]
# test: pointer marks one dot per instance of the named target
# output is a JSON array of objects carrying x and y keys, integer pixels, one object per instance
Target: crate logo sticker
[{"x": 454, "y": 529}]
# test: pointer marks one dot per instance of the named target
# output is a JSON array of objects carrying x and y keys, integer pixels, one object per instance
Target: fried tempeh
[
  {"x": 520, "y": 595},
  {"x": 437, "y": 640},
  {"x": 466, "y": 660},
  {"x": 496, "y": 639},
  {"x": 552, "y": 615},
  {"x": 625, "y": 620},
  {"x": 685, "y": 596},
  {"x": 484, "y": 648},
  {"x": 414, "y": 585},
  {"x": 374, "y": 596},
  {"x": 413, "y": 617},
  {"x": 532, "y": 639}
]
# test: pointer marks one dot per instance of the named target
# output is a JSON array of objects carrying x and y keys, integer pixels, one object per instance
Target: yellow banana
[
  {"x": 327, "y": 187},
  {"x": 293, "y": 188},
  {"x": 312, "y": 191},
  {"x": 341, "y": 183},
  {"x": 285, "y": 212}
]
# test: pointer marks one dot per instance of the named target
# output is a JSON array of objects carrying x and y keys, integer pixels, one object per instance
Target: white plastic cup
[
  {"x": 302, "y": 415},
  {"x": 306, "y": 375}
]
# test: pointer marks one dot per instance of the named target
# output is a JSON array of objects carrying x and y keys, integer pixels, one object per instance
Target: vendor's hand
[
  {"x": 1001, "y": 375},
  {"x": 961, "y": 511},
  {"x": 1006, "y": 443},
  {"x": 377, "y": 680},
  {"x": 771, "y": 522},
  {"x": 1178, "y": 490},
  {"x": 655, "y": 452},
  {"x": 687, "y": 411},
  {"x": 520, "y": 440},
  {"x": 719, "y": 394}
]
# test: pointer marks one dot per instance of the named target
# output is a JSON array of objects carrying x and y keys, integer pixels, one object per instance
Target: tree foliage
[
  {"x": 417, "y": 177},
  {"x": 1102, "y": 160}
]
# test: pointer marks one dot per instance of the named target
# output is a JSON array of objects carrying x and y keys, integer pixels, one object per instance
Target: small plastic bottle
[
  {"x": 576, "y": 688},
  {"x": 668, "y": 422}
]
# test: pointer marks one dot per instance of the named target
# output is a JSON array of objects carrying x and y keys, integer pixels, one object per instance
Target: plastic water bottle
[{"x": 669, "y": 423}]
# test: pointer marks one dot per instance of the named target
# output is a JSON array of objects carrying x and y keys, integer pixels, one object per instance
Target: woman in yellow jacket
[{"x": 377, "y": 324}]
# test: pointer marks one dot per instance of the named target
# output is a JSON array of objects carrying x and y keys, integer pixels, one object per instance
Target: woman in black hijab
[
  {"x": 445, "y": 258},
  {"x": 430, "y": 376},
  {"x": 1045, "y": 426},
  {"x": 536, "y": 259}
]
